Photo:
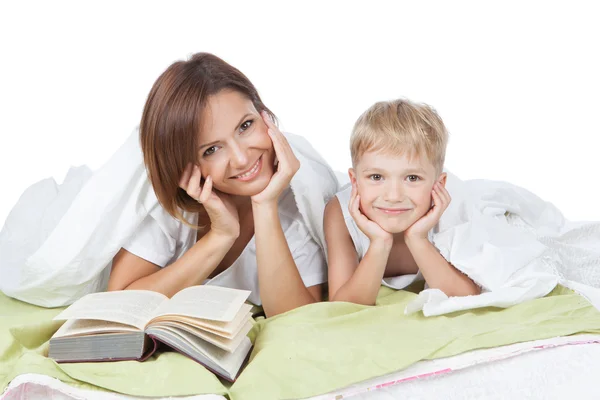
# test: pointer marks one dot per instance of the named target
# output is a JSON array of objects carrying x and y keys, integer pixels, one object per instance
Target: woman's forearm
[
  {"x": 190, "y": 269},
  {"x": 280, "y": 284}
]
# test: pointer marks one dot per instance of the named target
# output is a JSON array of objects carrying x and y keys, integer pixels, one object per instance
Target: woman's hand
[
  {"x": 221, "y": 210},
  {"x": 286, "y": 168}
]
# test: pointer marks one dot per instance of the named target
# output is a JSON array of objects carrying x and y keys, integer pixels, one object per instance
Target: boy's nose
[{"x": 394, "y": 192}]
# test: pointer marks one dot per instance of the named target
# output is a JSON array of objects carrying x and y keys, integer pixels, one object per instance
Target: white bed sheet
[
  {"x": 557, "y": 368},
  {"x": 562, "y": 373}
]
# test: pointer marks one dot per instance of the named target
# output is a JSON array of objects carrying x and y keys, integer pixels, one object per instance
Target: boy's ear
[
  {"x": 442, "y": 178},
  {"x": 352, "y": 175}
]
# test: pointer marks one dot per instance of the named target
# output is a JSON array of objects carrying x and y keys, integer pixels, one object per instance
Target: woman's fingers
[
  {"x": 206, "y": 191},
  {"x": 283, "y": 150},
  {"x": 267, "y": 120},
  {"x": 193, "y": 188},
  {"x": 288, "y": 163},
  {"x": 185, "y": 177}
]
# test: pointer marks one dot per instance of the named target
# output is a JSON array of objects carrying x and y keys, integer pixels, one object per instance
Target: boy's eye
[
  {"x": 210, "y": 150},
  {"x": 376, "y": 177},
  {"x": 246, "y": 124},
  {"x": 413, "y": 178}
]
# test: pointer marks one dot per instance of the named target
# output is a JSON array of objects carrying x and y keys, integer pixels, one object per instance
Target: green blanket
[{"x": 309, "y": 351}]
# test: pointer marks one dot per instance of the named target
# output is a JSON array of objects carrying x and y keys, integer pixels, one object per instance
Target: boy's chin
[{"x": 393, "y": 228}]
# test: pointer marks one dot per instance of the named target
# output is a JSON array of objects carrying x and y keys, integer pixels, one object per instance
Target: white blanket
[
  {"x": 513, "y": 244},
  {"x": 59, "y": 240}
]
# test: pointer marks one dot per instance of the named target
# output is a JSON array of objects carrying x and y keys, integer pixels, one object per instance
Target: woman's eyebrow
[
  {"x": 234, "y": 129},
  {"x": 208, "y": 144}
]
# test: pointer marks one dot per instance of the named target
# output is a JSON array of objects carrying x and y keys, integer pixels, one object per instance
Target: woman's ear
[{"x": 352, "y": 175}]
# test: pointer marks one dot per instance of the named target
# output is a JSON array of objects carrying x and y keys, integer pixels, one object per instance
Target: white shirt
[{"x": 162, "y": 239}]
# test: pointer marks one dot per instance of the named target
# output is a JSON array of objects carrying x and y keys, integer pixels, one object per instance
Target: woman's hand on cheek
[
  {"x": 221, "y": 210},
  {"x": 287, "y": 166}
]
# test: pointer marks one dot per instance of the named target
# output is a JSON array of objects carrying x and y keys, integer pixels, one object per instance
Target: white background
[{"x": 517, "y": 83}]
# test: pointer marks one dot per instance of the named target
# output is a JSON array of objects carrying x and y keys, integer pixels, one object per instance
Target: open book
[{"x": 207, "y": 323}]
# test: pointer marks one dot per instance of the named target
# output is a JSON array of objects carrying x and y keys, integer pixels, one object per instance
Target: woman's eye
[
  {"x": 210, "y": 150},
  {"x": 413, "y": 178},
  {"x": 376, "y": 177},
  {"x": 246, "y": 124}
]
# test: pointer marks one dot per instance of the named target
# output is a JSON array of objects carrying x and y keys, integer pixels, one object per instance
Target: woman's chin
[{"x": 251, "y": 188}]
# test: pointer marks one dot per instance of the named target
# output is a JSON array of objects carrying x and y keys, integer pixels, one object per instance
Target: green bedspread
[{"x": 309, "y": 351}]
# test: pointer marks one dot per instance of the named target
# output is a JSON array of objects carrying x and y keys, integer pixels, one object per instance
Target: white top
[
  {"x": 162, "y": 239},
  {"x": 362, "y": 242}
]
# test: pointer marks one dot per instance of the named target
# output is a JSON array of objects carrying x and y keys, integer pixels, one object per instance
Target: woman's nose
[{"x": 239, "y": 159}]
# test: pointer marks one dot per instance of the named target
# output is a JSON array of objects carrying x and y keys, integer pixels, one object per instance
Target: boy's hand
[
  {"x": 421, "y": 228},
  {"x": 370, "y": 228}
]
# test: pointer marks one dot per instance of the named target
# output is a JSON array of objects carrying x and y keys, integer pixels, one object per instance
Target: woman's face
[{"x": 235, "y": 149}]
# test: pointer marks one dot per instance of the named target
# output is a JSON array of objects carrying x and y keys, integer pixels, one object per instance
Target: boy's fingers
[{"x": 443, "y": 195}]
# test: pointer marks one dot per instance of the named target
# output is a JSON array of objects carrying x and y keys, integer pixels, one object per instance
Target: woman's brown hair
[{"x": 171, "y": 122}]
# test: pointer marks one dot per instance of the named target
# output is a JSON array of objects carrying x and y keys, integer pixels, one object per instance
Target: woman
[{"x": 221, "y": 171}]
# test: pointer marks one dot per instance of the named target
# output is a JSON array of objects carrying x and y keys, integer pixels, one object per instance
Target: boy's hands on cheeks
[
  {"x": 221, "y": 210},
  {"x": 374, "y": 232},
  {"x": 286, "y": 168},
  {"x": 421, "y": 228}
]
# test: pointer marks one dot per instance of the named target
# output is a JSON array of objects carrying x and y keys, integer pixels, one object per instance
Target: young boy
[{"x": 380, "y": 225}]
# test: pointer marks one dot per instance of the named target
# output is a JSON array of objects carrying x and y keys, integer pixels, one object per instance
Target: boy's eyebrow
[{"x": 406, "y": 171}]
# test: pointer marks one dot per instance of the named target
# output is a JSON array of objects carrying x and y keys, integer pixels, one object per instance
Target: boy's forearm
[
  {"x": 439, "y": 273},
  {"x": 363, "y": 286}
]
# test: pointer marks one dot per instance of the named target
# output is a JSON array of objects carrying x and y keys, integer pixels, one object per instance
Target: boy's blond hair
[{"x": 400, "y": 127}]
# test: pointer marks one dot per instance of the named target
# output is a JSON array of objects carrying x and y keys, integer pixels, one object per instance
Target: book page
[
  {"x": 82, "y": 327},
  {"x": 206, "y": 302},
  {"x": 224, "y": 329},
  {"x": 129, "y": 307},
  {"x": 224, "y": 343},
  {"x": 223, "y": 362}
]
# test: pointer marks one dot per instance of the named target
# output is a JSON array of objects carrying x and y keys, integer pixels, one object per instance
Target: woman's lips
[{"x": 251, "y": 173}]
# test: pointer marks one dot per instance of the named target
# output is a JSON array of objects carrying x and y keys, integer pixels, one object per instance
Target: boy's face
[{"x": 395, "y": 191}]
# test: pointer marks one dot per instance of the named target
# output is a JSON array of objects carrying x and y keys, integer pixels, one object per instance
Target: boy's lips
[{"x": 393, "y": 211}]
